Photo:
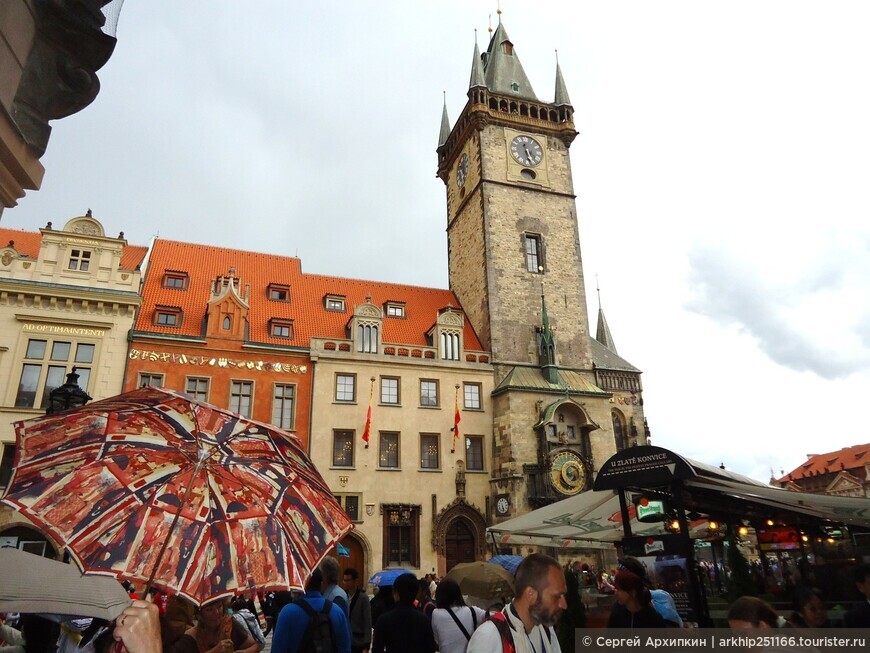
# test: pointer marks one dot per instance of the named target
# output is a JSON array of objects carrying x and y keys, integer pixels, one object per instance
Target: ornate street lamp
[{"x": 67, "y": 396}]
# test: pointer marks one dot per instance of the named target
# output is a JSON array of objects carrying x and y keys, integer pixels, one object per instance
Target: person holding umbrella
[{"x": 216, "y": 632}]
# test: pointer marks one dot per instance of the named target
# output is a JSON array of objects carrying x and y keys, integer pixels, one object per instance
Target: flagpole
[
  {"x": 456, "y": 419},
  {"x": 368, "y": 427}
]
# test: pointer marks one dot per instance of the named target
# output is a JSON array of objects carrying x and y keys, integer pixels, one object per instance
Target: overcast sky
[{"x": 721, "y": 173}]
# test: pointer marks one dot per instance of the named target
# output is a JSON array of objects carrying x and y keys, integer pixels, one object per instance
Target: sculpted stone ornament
[{"x": 59, "y": 77}]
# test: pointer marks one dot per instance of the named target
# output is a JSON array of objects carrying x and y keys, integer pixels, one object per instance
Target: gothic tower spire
[
  {"x": 502, "y": 69},
  {"x": 445, "y": 124},
  {"x": 602, "y": 332},
  {"x": 477, "y": 78},
  {"x": 561, "y": 90}
]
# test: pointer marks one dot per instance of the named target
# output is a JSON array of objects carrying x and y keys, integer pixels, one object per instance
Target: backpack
[
  {"x": 499, "y": 620},
  {"x": 249, "y": 621},
  {"x": 319, "y": 636}
]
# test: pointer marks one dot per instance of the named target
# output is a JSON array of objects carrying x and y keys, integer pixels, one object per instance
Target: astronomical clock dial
[
  {"x": 462, "y": 170},
  {"x": 526, "y": 150},
  {"x": 568, "y": 472}
]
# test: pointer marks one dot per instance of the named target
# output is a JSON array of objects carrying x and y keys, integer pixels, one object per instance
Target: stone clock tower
[{"x": 515, "y": 265}]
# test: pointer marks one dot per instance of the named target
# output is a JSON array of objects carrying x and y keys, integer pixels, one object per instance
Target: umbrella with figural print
[{"x": 156, "y": 487}]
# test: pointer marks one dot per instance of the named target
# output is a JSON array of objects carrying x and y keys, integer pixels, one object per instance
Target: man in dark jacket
[
  {"x": 859, "y": 616},
  {"x": 360, "y": 612},
  {"x": 404, "y": 629}
]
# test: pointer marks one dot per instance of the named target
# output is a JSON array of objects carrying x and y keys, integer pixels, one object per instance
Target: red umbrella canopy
[{"x": 109, "y": 479}]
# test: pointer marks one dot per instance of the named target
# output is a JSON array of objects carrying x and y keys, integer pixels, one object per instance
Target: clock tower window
[{"x": 534, "y": 253}]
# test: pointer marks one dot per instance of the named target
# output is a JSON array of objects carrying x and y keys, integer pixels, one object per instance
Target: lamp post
[{"x": 67, "y": 396}]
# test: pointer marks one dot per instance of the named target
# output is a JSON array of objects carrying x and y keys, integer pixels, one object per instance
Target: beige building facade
[
  {"x": 67, "y": 299},
  {"x": 418, "y": 494}
]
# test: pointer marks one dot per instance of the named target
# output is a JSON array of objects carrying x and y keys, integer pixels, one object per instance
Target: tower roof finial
[{"x": 445, "y": 123}]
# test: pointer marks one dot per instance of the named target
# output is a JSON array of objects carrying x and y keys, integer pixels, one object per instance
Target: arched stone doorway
[
  {"x": 356, "y": 558},
  {"x": 459, "y": 535},
  {"x": 28, "y": 539}
]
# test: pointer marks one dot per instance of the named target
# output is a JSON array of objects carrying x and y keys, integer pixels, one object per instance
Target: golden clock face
[{"x": 568, "y": 472}]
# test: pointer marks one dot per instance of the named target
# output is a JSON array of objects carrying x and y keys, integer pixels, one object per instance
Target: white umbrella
[{"x": 32, "y": 584}]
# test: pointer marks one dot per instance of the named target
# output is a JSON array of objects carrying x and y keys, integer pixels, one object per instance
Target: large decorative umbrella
[
  {"x": 482, "y": 580},
  {"x": 156, "y": 487},
  {"x": 387, "y": 577}
]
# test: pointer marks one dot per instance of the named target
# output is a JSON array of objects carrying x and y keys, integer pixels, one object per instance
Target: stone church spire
[
  {"x": 602, "y": 332},
  {"x": 561, "y": 90},
  {"x": 502, "y": 69},
  {"x": 445, "y": 124},
  {"x": 477, "y": 77}
]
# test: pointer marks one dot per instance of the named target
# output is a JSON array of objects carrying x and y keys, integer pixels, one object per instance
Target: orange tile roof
[
  {"x": 204, "y": 263},
  {"x": 28, "y": 242},
  {"x": 849, "y": 458}
]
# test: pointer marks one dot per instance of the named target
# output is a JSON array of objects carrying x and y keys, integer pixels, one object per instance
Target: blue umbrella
[
  {"x": 387, "y": 577},
  {"x": 509, "y": 562}
]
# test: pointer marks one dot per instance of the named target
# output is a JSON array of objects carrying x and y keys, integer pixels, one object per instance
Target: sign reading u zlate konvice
[{"x": 642, "y": 467}]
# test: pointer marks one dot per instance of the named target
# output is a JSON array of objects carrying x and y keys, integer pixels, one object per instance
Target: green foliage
[{"x": 574, "y": 616}]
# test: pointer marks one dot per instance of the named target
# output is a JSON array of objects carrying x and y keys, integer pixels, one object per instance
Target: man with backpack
[
  {"x": 404, "y": 629},
  {"x": 312, "y": 624},
  {"x": 526, "y": 624}
]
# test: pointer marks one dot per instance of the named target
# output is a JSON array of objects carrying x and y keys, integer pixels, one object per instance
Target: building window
[
  {"x": 34, "y": 387},
  {"x": 279, "y": 293},
  {"x": 534, "y": 260},
  {"x": 388, "y": 451},
  {"x": 619, "y": 431},
  {"x": 351, "y": 504},
  {"x": 281, "y": 329},
  {"x": 471, "y": 393},
  {"x": 449, "y": 346},
  {"x": 367, "y": 338},
  {"x": 395, "y": 310},
  {"x": 334, "y": 303},
  {"x": 430, "y": 451},
  {"x": 227, "y": 323},
  {"x": 282, "y": 405},
  {"x": 167, "y": 316},
  {"x": 147, "y": 380},
  {"x": 401, "y": 536},
  {"x": 241, "y": 393},
  {"x": 390, "y": 390},
  {"x": 428, "y": 392},
  {"x": 342, "y": 448},
  {"x": 474, "y": 453},
  {"x": 176, "y": 280},
  {"x": 345, "y": 387},
  {"x": 197, "y": 388},
  {"x": 79, "y": 259},
  {"x": 6, "y": 464}
]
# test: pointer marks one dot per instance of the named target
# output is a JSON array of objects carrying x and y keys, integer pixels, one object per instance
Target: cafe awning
[{"x": 593, "y": 518}]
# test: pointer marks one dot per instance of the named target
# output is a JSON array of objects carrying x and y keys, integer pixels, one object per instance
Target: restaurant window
[
  {"x": 390, "y": 390},
  {"x": 342, "y": 448},
  {"x": 430, "y": 451},
  {"x": 428, "y": 392},
  {"x": 46, "y": 364},
  {"x": 474, "y": 453},
  {"x": 241, "y": 394},
  {"x": 472, "y": 395},
  {"x": 79, "y": 259},
  {"x": 197, "y": 387},
  {"x": 282, "y": 405},
  {"x": 147, "y": 380},
  {"x": 388, "y": 451},
  {"x": 401, "y": 545},
  {"x": 345, "y": 387}
]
